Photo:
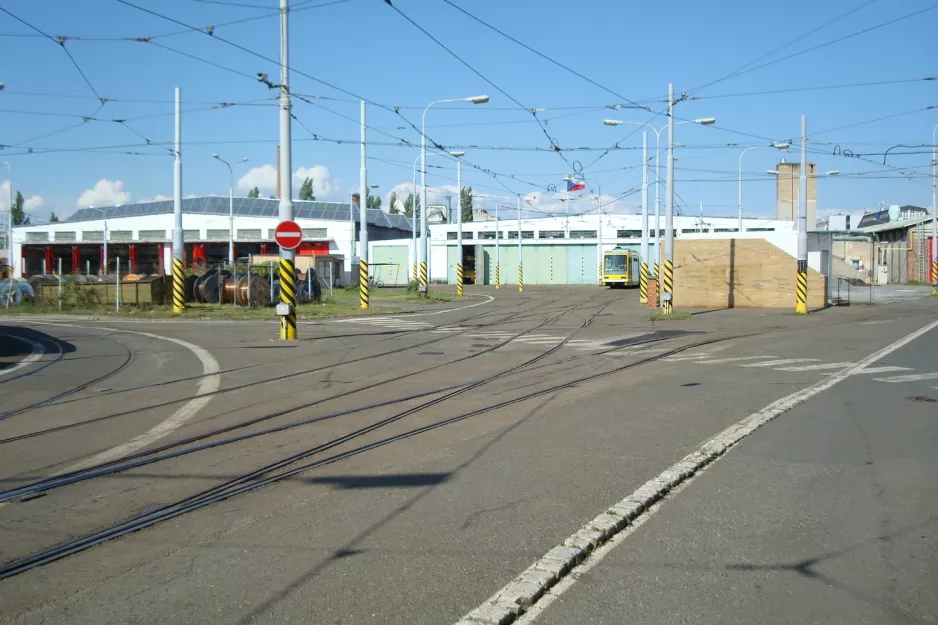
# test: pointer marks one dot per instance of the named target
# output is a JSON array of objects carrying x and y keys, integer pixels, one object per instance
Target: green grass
[{"x": 659, "y": 316}]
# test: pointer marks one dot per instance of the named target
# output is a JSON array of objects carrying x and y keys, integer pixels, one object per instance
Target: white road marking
[
  {"x": 668, "y": 483},
  {"x": 682, "y": 357},
  {"x": 208, "y": 384},
  {"x": 783, "y": 361},
  {"x": 38, "y": 352},
  {"x": 718, "y": 361},
  {"x": 820, "y": 367},
  {"x": 912, "y": 377},
  {"x": 885, "y": 369}
]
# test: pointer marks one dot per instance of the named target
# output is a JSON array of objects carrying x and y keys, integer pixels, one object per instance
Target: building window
[
  {"x": 582, "y": 234},
  {"x": 36, "y": 237},
  {"x": 760, "y": 229},
  {"x": 551, "y": 234},
  {"x": 450, "y": 236},
  {"x": 688, "y": 231},
  {"x": 525, "y": 234},
  {"x": 629, "y": 234},
  {"x": 314, "y": 233},
  {"x": 217, "y": 235},
  {"x": 486, "y": 234},
  {"x": 121, "y": 235},
  {"x": 190, "y": 235},
  {"x": 252, "y": 233},
  {"x": 92, "y": 235},
  {"x": 64, "y": 237},
  {"x": 726, "y": 230},
  {"x": 152, "y": 235}
]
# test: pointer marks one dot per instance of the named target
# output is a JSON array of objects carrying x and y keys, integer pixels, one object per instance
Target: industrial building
[{"x": 555, "y": 250}]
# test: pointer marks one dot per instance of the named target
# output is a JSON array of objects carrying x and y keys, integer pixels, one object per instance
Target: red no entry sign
[{"x": 288, "y": 235}]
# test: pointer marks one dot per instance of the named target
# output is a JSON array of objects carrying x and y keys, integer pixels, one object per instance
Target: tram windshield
[{"x": 616, "y": 264}]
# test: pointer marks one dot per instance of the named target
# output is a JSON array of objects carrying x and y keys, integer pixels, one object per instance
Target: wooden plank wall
[{"x": 744, "y": 273}]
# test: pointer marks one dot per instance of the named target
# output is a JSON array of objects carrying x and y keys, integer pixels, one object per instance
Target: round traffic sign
[{"x": 288, "y": 235}]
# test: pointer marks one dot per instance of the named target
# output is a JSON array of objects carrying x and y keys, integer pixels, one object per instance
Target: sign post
[{"x": 288, "y": 236}]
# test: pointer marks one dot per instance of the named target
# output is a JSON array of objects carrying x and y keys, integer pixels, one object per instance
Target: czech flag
[{"x": 577, "y": 185}]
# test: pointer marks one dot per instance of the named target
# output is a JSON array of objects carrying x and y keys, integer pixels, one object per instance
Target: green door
[{"x": 390, "y": 264}]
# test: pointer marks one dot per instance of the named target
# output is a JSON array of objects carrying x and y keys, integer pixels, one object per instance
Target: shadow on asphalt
[{"x": 12, "y": 348}]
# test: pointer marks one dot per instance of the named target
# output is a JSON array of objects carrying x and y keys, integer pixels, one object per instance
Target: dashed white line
[
  {"x": 783, "y": 361},
  {"x": 38, "y": 352},
  {"x": 820, "y": 367},
  {"x": 912, "y": 377}
]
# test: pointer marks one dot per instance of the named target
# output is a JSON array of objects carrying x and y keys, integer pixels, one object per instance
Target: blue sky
[{"x": 365, "y": 48}]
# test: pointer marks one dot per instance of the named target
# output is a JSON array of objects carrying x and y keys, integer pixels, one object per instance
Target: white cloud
[
  {"x": 105, "y": 193},
  {"x": 265, "y": 179},
  {"x": 159, "y": 197},
  {"x": 32, "y": 204}
]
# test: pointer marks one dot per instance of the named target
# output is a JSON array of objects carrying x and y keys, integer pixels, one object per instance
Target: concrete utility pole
[
  {"x": 643, "y": 275},
  {"x": 287, "y": 257},
  {"x": 459, "y": 259},
  {"x": 520, "y": 261},
  {"x": 934, "y": 215},
  {"x": 363, "y": 215},
  {"x": 179, "y": 252},
  {"x": 599, "y": 247},
  {"x": 498, "y": 235},
  {"x": 801, "y": 288},
  {"x": 667, "y": 296}
]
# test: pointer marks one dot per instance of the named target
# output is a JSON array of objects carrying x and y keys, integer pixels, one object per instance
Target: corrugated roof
[
  {"x": 897, "y": 225},
  {"x": 250, "y": 207}
]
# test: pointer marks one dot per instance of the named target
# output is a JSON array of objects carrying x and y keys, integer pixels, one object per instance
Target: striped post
[
  {"x": 600, "y": 274},
  {"x": 801, "y": 288},
  {"x": 363, "y": 283},
  {"x": 497, "y": 281},
  {"x": 413, "y": 273},
  {"x": 657, "y": 270},
  {"x": 104, "y": 270},
  {"x": 667, "y": 303},
  {"x": 520, "y": 277},
  {"x": 423, "y": 274},
  {"x": 934, "y": 276},
  {"x": 179, "y": 285},
  {"x": 643, "y": 284},
  {"x": 458, "y": 279},
  {"x": 288, "y": 296}
]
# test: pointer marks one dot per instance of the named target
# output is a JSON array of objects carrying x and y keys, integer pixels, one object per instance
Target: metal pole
[
  {"x": 59, "y": 276},
  {"x": 231, "y": 230},
  {"x": 599, "y": 248},
  {"x": 459, "y": 258},
  {"x": 179, "y": 278},
  {"x": 643, "y": 275},
  {"x": 250, "y": 262},
  {"x": 657, "y": 204},
  {"x": 363, "y": 294},
  {"x": 423, "y": 204},
  {"x": 413, "y": 226},
  {"x": 87, "y": 267},
  {"x": 10, "y": 261},
  {"x": 105, "y": 236},
  {"x": 934, "y": 215},
  {"x": 287, "y": 257},
  {"x": 801, "y": 289},
  {"x": 520, "y": 261},
  {"x": 117, "y": 273},
  {"x": 667, "y": 297},
  {"x": 498, "y": 235},
  {"x": 739, "y": 202}
]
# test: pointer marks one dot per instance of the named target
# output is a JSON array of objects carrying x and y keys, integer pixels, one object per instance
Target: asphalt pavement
[{"x": 451, "y": 448}]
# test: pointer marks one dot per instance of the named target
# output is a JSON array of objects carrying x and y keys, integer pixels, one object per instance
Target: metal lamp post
[
  {"x": 424, "y": 251},
  {"x": 10, "y": 218},
  {"x": 231, "y": 230},
  {"x": 779, "y": 146},
  {"x": 459, "y": 259}
]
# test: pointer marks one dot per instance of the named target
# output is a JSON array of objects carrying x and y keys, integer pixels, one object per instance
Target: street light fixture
[
  {"x": 231, "y": 230},
  {"x": 424, "y": 250}
]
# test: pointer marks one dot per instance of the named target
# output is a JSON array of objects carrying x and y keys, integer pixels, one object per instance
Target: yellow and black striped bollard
[
  {"x": 104, "y": 270},
  {"x": 423, "y": 275},
  {"x": 179, "y": 285},
  {"x": 363, "y": 284},
  {"x": 600, "y": 274},
  {"x": 934, "y": 276},
  {"x": 667, "y": 303},
  {"x": 801, "y": 288},
  {"x": 288, "y": 296},
  {"x": 520, "y": 278},
  {"x": 414, "y": 275},
  {"x": 643, "y": 284},
  {"x": 8, "y": 271},
  {"x": 458, "y": 279},
  {"x": 497, "y": 282}
]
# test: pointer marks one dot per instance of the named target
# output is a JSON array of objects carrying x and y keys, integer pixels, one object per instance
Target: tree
[
  {"x": 373, "y": 202},
  {"x": 306, "y": 190},
  {"x": 53, "y": 218},
  {"x": 409, "y": 205},
  {"x": 465, "y": 203},
  {"x": 19, "y": 215},
  {"x": 254, "y": 193},
  {"x": 392, "y": 200}
]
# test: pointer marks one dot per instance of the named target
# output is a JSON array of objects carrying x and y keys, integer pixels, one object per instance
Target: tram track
[{"x": 282, "y": 469}]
